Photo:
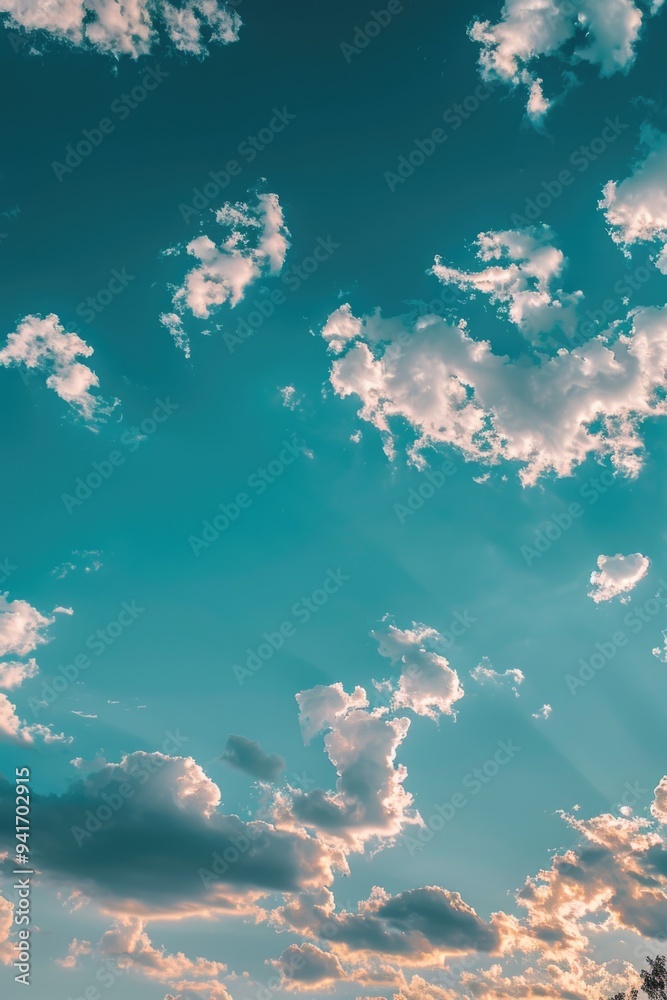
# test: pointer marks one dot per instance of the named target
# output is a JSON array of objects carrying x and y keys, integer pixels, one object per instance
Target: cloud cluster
[
  {"x": 603, "y": 33},
  {"x": 636, "y": 208},
  {"x": 43, "y": 344},
  {"x": 133, "y": 28},
  {"x": 255, "y": 244},
  {"x": 546, "y": 414},
  {"x": 111, "y": 832},
  {"x": 427, "y": 684},
  {"x": 617, "y": 575},
  {"x": 523, "y": 267}
]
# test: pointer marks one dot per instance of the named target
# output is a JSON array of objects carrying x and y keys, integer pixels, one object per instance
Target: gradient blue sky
[{"x": 335, "y": 503}]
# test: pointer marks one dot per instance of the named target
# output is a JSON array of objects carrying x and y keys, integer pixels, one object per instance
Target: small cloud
[
  {"x": 617, "y": 575},
  {"x": 543, "y": 712},
  {"x": 247, "y": 755},
  {"x": 290, "y": 398},
  {"x": 485, "y": 674}
]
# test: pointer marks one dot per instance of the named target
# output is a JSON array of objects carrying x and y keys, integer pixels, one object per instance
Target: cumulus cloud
[
  {"x": 543, "y": 713},
  {"x": 169, "y": 809},
  {"x": 43, "y": 344},
  {"x": 307, "y": 967},
  {"x": 545, "y": 414},
  {"x": 601, "y": 32},
  {"x": 247, "y": 755},
  {"x": 13, "y": 730},
  {"x": 128, "y": 944},
  {"x": 484, "y": 673},
  {"x": 131, "y": 28},
  {"x": 523, "y": 268},
  {"x": 14, "y": 673},
  {"x": 254, "y": 244},
  {"x": 617, "y": 575},
  {"x": 22, "y": 627},
  {"x": 636, "y": 208},
  {"x": 427, "y": 685},
  {"x": 369, "y": 803}
]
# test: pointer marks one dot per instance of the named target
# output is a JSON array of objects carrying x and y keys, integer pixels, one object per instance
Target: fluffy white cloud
[
  {"x": 14, "y": 673},
  {"x": 128, "y": 944},
  {"x": 427, "y": 684},
  {"x": 22, "y": 627},
  {"x": 545, "y": 413},
  {"x": 44, "y": 344},
  {"x": 127, "y": 27},
  {"x": 601, "y": 32},
  {"x": 13, "y": 730},
  {"x": 636, "y": 208},
  {"x": 520, "y": 280},
  {"x": 617, "y": 575},
  {"x": 255, "y": 244},
  {"x": 659, "y": 804},
  {"x": 370, "y": 802},
  {"x": 543, "y": 713},
  {"x": 484, "y": 673}
]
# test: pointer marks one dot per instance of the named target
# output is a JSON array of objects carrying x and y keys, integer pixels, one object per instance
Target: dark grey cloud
[
  {"x": 148, "y": 831},
  {"x": 247, "y": 755}
]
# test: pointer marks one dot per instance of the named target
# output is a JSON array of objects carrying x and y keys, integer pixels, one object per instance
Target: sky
[{"x": 333, "y": 572}]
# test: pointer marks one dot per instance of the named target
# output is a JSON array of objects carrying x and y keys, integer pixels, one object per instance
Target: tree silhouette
[{"x": 654, "y": 982}]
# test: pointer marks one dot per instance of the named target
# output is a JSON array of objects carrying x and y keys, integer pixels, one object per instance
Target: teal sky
[{"x": 326, "y": 498}]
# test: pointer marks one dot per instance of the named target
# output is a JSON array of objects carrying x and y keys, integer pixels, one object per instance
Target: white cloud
[
  {"x": 13, "y": 730},
  {"x": 255, "y": 244},
  {"x": 601, "y": 32},
  {"x": 544, "y": 413},
  {"x": 369, "y": 803},
  {"x": 636, "y": 208},
  {"x": 130, "y": 27},
  {"x": 543, "y": 713},
  {"x": 428, "y": 685},
  {"x": 45, "y": 345},
  {"x": 617, "y": 575},
  {"x": 484, "y": 673},
  {"x": 13, "y": 674},
  {"x": 22, "y": 627},
  {"x": 523, "y": 268}
]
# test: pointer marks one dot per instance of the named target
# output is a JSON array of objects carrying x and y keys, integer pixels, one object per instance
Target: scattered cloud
[
  {"x": 603, "y": 33},
  {"x": 484, "y": 673},
  {"x": 255, "y": 244},
  {"x": 636, "y": 208},
  {"x": 43, "y": 344},
  {"x": 617, "y": 575},
  {"x": 543, "y": 713},
  {"x": 127, "y": 29}
]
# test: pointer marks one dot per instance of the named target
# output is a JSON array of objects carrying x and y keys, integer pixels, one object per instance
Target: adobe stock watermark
[
  {"x": 473, "y": 783},
  {"x": 131, "y": 440},
  {"x": 96, "y": 819},
  {"x": 364, "y": 34},
  {"x": 293, "y": 278},
  {"x": 435, "y": 479},
  {"x": 247, "y": 151},
  {"x": 97, "y": 643},
  {"x": 122, "y": 107},
  {"x": 422, "y": 149},
  {"x": 257, "y": 483},
  {"x": 238, "y": 847},
  {"x": 106, "y": 975},
  {"x": 581, "y": 159},
  {"x": 90, "y": 308},
  {"x": 635, "y": 620},
  {"x": 558, "y": 524},
  {"x": 301, "y": 612},
  {"x": 6, "y": 570}
]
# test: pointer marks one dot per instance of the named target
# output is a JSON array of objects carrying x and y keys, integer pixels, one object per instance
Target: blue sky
[{"x": 333, "y": 361}]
